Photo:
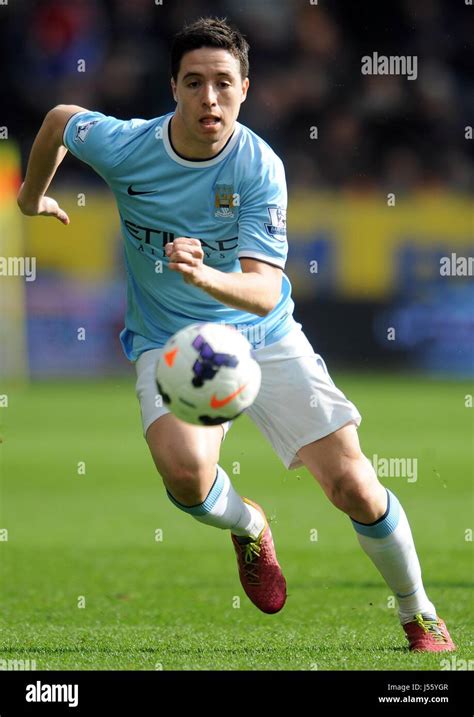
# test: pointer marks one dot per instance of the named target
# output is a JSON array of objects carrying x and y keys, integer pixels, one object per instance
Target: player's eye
[{"x": 192, "y": 84}]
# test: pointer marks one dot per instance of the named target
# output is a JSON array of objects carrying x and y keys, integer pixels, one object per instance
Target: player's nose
[{"x": 209, "y": 94}]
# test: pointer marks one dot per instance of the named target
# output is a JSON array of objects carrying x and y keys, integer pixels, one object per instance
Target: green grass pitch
[{"x": 90, "y": 539}]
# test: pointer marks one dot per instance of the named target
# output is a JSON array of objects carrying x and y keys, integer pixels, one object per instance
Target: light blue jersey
[{"x": 234, "y": 203}]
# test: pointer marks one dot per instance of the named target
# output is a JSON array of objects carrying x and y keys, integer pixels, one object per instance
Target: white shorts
[{"x": 297, "y": 404}]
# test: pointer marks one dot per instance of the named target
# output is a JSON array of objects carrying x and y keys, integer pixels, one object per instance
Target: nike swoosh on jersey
[
  {"x": 132, "y": 192},
  {"x": 219, "y": 402}
]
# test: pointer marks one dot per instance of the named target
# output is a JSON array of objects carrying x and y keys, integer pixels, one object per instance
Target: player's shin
[
  {"x": 224, "y": 508},
  {"x": 389, "y": 544}
]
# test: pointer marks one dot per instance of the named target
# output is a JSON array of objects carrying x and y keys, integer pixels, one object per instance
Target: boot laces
[
  {"x": 431, "y": 626},
  {"x": 252, "y": 552}
]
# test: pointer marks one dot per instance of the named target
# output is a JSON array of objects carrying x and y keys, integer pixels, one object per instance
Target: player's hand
[
  {"x": 45, "y": 207},
  {"x": 186, "y": 256}
]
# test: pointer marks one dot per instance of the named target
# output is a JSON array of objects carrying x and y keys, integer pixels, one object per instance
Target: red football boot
[
  {"x": 428, "y": 634},
  {"x": 260, "y": 573}
]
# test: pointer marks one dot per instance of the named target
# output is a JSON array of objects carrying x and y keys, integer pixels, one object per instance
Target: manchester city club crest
[{"x": 225, "y": 201}]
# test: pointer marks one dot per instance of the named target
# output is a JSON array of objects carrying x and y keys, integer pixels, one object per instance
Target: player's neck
[{"x": 186, "y": 148}]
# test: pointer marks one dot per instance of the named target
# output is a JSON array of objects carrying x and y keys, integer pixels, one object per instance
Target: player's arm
[
  {"x": 46, "y": 155},
  {"x": 256, "y": 290},
  {"x": 262, "y": 245}
]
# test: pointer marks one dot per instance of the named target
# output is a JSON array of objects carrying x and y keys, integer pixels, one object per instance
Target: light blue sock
[
  {"x": 389, "y": 544},
  {"x": 224, "y": 508}
]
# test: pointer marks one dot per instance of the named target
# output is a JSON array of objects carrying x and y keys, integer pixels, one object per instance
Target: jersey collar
[{"x": 198, "y": 163}]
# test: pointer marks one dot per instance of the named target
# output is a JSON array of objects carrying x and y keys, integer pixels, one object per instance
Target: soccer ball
[{"x": 206, "y": 374}]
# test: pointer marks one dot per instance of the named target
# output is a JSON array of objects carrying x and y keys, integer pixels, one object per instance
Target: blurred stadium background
[{"x": 378, "y": 266}]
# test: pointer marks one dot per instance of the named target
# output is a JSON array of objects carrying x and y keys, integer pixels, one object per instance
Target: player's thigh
[
  {"x": 333, "y": 456},
  {"x": 182, "y": 451},
  {"x": 345, "y": 474},
  {"x": 298, "y": 402}
]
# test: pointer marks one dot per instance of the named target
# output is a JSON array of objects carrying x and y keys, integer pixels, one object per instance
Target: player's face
[{"x": 209, "y": 91}]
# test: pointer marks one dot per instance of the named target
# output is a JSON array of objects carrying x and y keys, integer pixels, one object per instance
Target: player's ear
[
  {"x": 245, "y": 86},
  {"x": 173, "y": 89}
]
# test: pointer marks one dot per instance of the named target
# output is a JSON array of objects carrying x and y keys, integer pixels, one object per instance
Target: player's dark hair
[{"x": 209, "y": 32}]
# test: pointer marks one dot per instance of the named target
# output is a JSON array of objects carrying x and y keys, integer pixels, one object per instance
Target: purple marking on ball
[{"x": 208, "y": 363}]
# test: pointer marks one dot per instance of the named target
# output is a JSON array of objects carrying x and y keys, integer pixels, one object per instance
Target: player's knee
[
  {"x": 351, "y": 489},
  {"x": 187, "y": 473},
  {"x": 188, "y": 478}
]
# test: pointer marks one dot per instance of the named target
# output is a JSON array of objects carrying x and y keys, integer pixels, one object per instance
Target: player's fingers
[
  {"x": 62, "y": 216},
  {"x": 194, "y": 249},
  {"x": 187, "y": 243},
  {"x": 182, "y": 268},
  {"x": 50, "y": 208},
  {"x": 196, "y": 252},
  {"x": 179, "y": 255},
  {"x": 187, "y": 240},
  {"x": 184, "y": 256},
  {"x": 57, "y": 213}
]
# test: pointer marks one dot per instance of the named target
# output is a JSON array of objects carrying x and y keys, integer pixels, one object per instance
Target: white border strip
[{"x": 264, "y": 257}]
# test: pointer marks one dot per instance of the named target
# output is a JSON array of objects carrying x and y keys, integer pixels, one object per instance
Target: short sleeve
[
  {"x": 262, "y": 215},
  {"x": 99, "y": 140}
]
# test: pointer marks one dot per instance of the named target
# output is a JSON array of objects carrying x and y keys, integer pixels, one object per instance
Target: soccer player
[{"x": 202, "y": 202}]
